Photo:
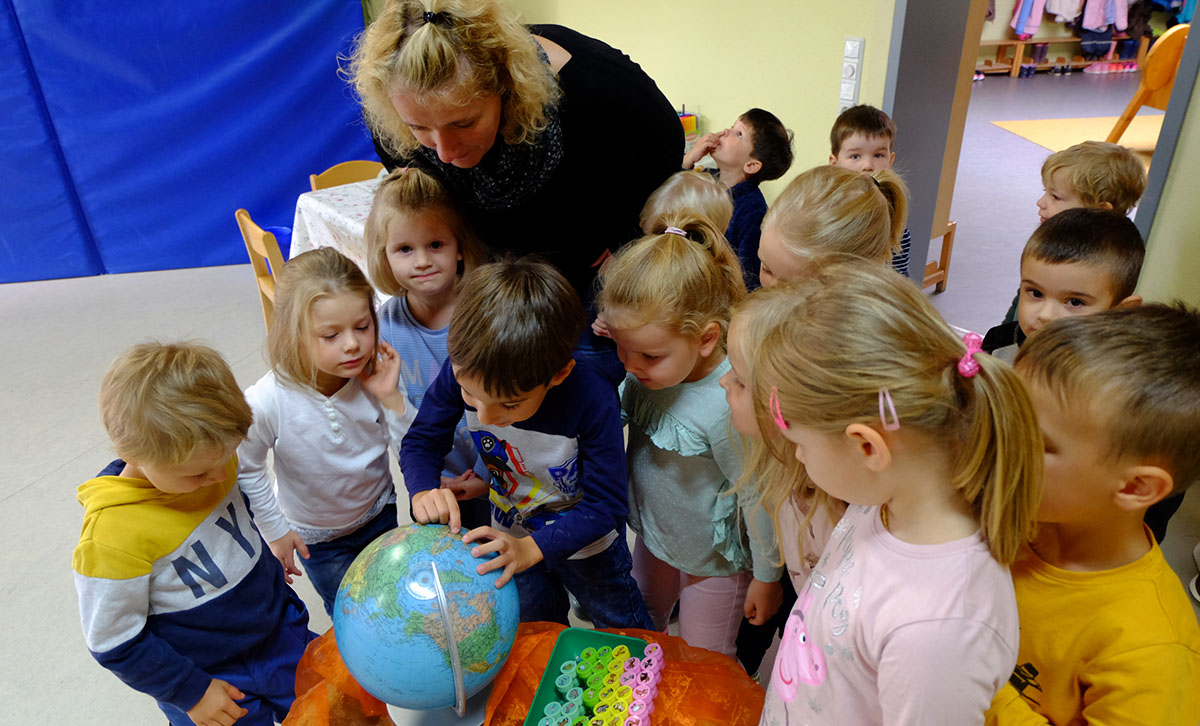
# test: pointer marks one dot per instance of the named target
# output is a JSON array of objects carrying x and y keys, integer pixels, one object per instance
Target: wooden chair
[
  {"x": 938, "y": 273},
  {"x": 1158, "y": 78},
  {"x": 265, "y": 258},
  {"x": 345, "y": 173}
]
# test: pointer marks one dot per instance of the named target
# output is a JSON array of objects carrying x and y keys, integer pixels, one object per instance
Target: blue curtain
[{"x": 134, "y": 130}]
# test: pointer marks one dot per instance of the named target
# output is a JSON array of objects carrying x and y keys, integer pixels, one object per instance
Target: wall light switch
[{"x": 854, "y": 47}]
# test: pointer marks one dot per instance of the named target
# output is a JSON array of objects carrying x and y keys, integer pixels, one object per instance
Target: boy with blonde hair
[
  {"x": 1078, "y": 262},
  {"x": 1093, "y": 174},
  {"x": 1107, "y": 634},
  {"x": 179, "y": 595}
]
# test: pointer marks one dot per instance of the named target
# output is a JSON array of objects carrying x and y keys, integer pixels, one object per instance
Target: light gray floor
[{"x": 60, "y": 336}]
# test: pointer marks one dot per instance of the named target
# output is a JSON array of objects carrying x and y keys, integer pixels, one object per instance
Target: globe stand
[
  {"x": 475, "y": 711},
  {"x": 478, "y": 704}
]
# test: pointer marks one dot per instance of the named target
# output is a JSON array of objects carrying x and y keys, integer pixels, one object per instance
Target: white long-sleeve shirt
[{"x": 331, "y": 459}]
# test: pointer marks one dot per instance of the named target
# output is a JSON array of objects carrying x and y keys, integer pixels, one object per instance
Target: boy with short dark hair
[
  {"x": 755, "y": 149},
  {"x": 1107, "y": 634},
  {"x": 1078, "y": 262},
  {"x": 862, "y": 139},
  {"x": 548, "y": 427},
  {"x": 179, "y": 595}
]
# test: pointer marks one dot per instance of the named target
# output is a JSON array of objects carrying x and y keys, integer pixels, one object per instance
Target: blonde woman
[{"x": 549, "y": 140}]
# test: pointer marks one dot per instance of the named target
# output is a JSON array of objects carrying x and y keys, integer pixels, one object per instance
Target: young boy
[
  {"x": 1093, "y": 174},
  {"x": 548, "y": 427},
  {"x": 1079, "y": 262},
  {"x": 1107, "y": 634},
  {"x": 178, "y": 594},
  {"x": 861, "y": 140},
  {"x": 757, "y": 148}
]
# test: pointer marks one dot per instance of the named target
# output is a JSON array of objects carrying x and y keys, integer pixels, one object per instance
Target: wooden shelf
[{"x": 1011, "y": 64}]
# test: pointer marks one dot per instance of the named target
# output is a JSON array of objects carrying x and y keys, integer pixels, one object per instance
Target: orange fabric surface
[{"x": 698, "y": 687}]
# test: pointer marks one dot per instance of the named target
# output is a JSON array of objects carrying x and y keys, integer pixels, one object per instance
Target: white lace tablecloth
[{"x": 334, "y": 217}]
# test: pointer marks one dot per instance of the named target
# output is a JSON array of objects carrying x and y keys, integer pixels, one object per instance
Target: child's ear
[
  {"x": 1143, "y": 486},
  {"x": 1105, "y": 205},
  {"x": 833, "y": 159},
  {"x": 750, "y": 168},
  {"x": 562, "y": 375},
  {"x": 869, "y": 447},
  {"x": 710, "y": 336},
  {"x": 1132, "y": 301},
  {"x": 892, "y": 161}
]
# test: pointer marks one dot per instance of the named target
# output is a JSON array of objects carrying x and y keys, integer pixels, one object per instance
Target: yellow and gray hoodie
[{"x": 173, "y": 584}]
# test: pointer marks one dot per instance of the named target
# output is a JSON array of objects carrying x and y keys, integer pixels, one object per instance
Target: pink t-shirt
[
  {"x": 887, "y": 632},
  {"x": 812, "y": 541}
]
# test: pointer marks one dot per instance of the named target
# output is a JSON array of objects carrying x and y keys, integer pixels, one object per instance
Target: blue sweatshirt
[
  {"x": 559, "y": 475},
  {"x": 172, "y": 584}
]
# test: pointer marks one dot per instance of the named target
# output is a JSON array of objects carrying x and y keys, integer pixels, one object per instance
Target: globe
[{"x": 413, "y": 619}]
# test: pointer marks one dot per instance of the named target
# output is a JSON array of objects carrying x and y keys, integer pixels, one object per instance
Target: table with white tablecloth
[{"x": 334, "y": 217}]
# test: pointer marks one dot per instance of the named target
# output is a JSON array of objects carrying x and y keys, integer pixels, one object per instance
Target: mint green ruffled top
[{"x": 684, "y": 460}]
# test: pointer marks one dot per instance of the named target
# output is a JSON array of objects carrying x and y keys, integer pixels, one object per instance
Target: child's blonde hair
[
  {"x": 684, "y": 276},
  {"x": 305, "y": 279},
  {"x": 857, "y": 330},
  {"x": 692, "y": 190},
  {"x": 469, "y": 49},
  {"x": 830, "y": 209},
  {"x": 776, "y": 480},
  {"x": 401, "y": 195},
  {"x": 1100, "y": 172},
  {"x": 1133, "y": 372},
  {"x": 161, "y": 403}
]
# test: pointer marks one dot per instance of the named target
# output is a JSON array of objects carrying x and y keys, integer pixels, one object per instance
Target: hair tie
[
  {"x": 437, "y": 18},
  {"x": 675, "y": 230},
  {"x": 776, "y": 413},
  {"x": 886, "y": 406},
  {"x": 877, "y": 184},
  {"x": 967, "y": 365}
]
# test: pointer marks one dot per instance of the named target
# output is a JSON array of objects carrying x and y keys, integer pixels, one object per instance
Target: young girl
[
  {"x": 909, "y": 615},
  {"x": 666, "y": 300},
  {"x": 692, "y": 190},
  {"x": 321, "y": 409},
  {"x": 418, "y": 249},
  {"x": 828, "y": 210}
]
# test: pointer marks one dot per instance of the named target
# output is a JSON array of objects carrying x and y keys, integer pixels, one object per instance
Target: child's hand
[
  {"x": 283, "y": 548},
  {"x": 466, "y": 485},
  {"x": 517, "y": 554},
  {"x": 437, "y": 505},
  {"x": 217, "y": 706},
  {"x": 703, "y": 147},
  {"x": 762, "y": 600},
  {"x": 384, "y": 383},
  {"x": 600, "y": 326}
]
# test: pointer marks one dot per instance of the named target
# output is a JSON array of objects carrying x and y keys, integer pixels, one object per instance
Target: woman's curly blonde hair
[{"x": 469, "y": 49}]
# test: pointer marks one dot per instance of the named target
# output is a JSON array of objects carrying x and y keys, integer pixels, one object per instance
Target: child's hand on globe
[
  {"x": 515, "y": 554},
  {"x": 437, "y": 506}
]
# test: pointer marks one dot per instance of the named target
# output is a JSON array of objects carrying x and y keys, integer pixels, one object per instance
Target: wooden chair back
[
  {"x": 1158, "y": 78},
  {"x": 346, "y": 172},
  {"x": 265, "y": 258}
]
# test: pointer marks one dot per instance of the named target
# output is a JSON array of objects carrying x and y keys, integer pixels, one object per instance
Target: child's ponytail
[
  {"x": 856, "y": 330},
  {"x": 683, "y": 274},
  {"x": 896, "y": 192},
  {"x": 999, "y": 466}
]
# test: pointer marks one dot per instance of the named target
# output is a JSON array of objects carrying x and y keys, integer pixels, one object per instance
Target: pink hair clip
[
  {"x": 675, "y": 230},
  {"x": 776, "y": 413},
  {"x": 968, "y": 366},
  {"x": 886, "y": 406}
]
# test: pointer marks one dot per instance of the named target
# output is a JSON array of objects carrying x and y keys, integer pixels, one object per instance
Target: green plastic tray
[{"x": 569, "y": 645}]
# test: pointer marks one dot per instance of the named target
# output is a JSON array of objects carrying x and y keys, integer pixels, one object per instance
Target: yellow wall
[
  {"x": 721, "y": 58},
  {"x": 1172, "y": 267}
]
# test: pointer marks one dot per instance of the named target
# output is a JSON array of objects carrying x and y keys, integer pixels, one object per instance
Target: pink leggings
[{"x": 710, "y": 608}]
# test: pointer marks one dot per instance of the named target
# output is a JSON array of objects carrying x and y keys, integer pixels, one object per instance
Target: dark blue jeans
[
  {"x": 267, "y": 674},
  {"x": 602, "y": 584},
  {"x": 328, "y": 561}
]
